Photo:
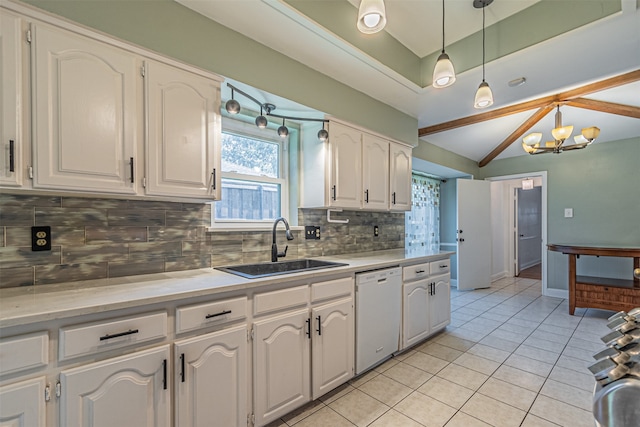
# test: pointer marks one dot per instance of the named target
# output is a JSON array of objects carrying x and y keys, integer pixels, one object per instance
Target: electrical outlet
[
  {"x": 568, "y": 212},
  {"x": 376, "y": 231},
  {"x": 312, "y": 232},
  {"x": 41, "y": 238}
]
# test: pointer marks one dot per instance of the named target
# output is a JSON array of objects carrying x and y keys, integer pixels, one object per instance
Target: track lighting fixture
[
  {"x": 484, "y": 97},
  {"x": 443, "y": 74},
  {"x": 233, "y": 107}
]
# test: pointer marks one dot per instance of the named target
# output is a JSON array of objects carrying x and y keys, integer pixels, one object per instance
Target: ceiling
[{"x": 603, "y": 47}]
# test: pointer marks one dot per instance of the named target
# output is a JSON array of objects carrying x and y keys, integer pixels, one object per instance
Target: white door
[
  {"x": 22, "y": 404},
  {"x": 281, "y": 365},
  {"x": 415, "y": 304},
  {"x": 183, "y": 133},
  {"x": 211, "y": 379},
  {"x": 439, "y": 303},
  {"x": 11, "y": 100},
  {"x": 375, "y": 172},
  {"x": 84, "y": 112},
  {"x": 400, "y": 178},
  {"x": 474, "y": 234},
  {"x": 528, "y": 228},
  {"x": 332, "y": 345},
  {"x": 127, "y": 391},
  {"x": 345, "y": 187}
]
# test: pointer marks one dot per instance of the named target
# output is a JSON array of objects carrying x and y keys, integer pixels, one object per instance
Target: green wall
[
  {"x": 173, "y": 30},
  {"x": 435, "y": 154},
  {"x": 602, "y": 185}
]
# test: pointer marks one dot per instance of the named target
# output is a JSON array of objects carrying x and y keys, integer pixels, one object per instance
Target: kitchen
[{"x": 75, "y": 216}]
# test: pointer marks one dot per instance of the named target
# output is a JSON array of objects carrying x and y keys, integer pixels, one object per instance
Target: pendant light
[
  {"x": 371, "y": 16},
  {"x": 261, "y": 121},
  {"x": 323, "y": 135},
  {"x": 443, "y": 74},
  {"x": 283, "y": 131},
  {"x": 232, "y": 106},
  {"x": 484, "y": 97}
]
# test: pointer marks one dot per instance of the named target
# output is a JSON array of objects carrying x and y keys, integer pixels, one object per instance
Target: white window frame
[{"x": 250, "y": 130}]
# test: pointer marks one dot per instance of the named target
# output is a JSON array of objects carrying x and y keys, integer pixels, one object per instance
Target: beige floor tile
[
  {"x": 463, "y": 376},
  {"x": 545, "y": 344},
  {"x": 277, "y": 423},
  {"x": 455, "y": 342},
  {"x": 446, "y": 392},
  {"x": 402, "y": 356},
  {"x": 582, "y": 381},
  {"x": 509, "y": 336},
  {"x": 477, "y": 363},
  {"x": 337, "y": 393},
  {"x": 537, "y": 354},
  {"x": 529, "y": 365},
  {"x": 532, "y": 421},
  {"x": 394, "y": 418},
  {"x": 363, "y": 378},
  {"x": 467, "y": 334},
  {"x": 561, "y": 413},
  {"x": 303, "y": 412},
  {"x": 386, "y": 390},
  {"x": 407, "y": 375},
  {"x": 493, "y": 412},
  {"x": 490, "y": 353},
  {"x": 323, "y": 418},
  {"x": 461, "y": 419},
  {"x": 426, "y": 362},
  {"x": 386, "y": 365},
  {"x": 583, "y": 399},
  {"x": 520, "y": 378},
  {"x": 359, "y": 408},
  {"x": 499, "y": 343},
  {"x": 425, "y": 410},
  {"x": 508, "y": 393},
  {"x": 440, "y": 351}
]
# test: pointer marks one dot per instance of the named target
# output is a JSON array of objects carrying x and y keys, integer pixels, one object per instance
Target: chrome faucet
[{"x": 274, "y": 248}]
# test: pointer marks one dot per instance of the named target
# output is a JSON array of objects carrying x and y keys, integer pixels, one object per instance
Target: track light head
[
  {"x": 283, "y": 131},
  {"x": 323, "y": 135}
]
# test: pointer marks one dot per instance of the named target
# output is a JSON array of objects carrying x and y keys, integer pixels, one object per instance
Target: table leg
[{"x": 572, "y": 283}]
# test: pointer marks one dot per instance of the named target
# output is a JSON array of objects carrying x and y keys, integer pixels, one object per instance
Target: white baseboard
[
  {"x": 557, "y": 293},
  {"x": 499, "y": 276},
  {"x": 530, "y": 264},
  {"x": 454, "y": 282}
]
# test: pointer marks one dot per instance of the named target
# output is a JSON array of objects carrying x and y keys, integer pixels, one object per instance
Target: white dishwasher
[{"x": 378, "y": 316}]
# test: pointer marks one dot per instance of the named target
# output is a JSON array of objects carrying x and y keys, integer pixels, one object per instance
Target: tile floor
[{"x": 510, "y": 357}]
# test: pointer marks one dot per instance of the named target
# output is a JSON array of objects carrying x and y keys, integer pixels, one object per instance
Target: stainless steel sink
[{"x": 265, "y": 269}]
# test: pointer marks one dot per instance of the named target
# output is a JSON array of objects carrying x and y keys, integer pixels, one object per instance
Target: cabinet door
[
  {"x": 281, "y": 365},
  {"x": 375, "y": 172},
  {"x": 22, "y": 404},
  {"x": 211, "y": 379},
  {"x": 11, "y": 100},
  {"x": 183, "y": 133},
  {"x": 440, "y": 303},
  {"x": 415, "y": 312},
  {"x": 84, "y": 112},
  {"x": 131, "y": 390},
  {"x": 400, "y": 178},
  {"x": 345, "y": 184},
  {"x": 332, "y": 345}
]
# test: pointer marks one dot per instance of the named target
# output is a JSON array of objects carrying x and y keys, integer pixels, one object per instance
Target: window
[
  {"x": 422, "y": 224},
  {"x": 254, "y": 164}
]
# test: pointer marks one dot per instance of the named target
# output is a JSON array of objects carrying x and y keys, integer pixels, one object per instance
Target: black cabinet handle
[
  {"x": 419, "y": 271},
  {"x": 366, "y": 196},
  {"x": 213, "y": 179},
  {"x": 308, "y": 328},
  {"x": 12, "y": 153},
  {"x": 393, "y": 197},
  {"x": 182, "y": 374},
  {"x": 334, "y": 192},
  {"x": 222, "y": 313},
  {"x": 120, "y": 334},
  {"x": 131, "y": 168},
  {"x": 164, "y": 374},
  {"x": 319, "y": 330},
  {"x": 443, "y": 266}
]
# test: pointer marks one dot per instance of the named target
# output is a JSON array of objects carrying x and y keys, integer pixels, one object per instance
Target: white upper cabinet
[
  {"x": 375, "y": 172},
  {"x": 84, "y": 113},
  {"x": 400, "y": 178},
  {"x": 183, "y": 140},
  {"x": 11, "y": 79},
  {"x": 345, "y": 166}
]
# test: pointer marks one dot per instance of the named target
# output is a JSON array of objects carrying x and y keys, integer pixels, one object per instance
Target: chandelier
[{"x": 531, "y": 143}]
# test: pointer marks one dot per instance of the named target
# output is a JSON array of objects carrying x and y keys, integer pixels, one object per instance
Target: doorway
[{"x": 527, "y": 234}]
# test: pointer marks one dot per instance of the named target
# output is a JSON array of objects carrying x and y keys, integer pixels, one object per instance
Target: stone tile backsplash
[{"x": 99, "y": 238}]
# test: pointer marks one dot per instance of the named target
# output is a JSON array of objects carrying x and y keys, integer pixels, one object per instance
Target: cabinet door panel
[
  {"x": 131, "y": 390},
  {"x": 440, "y": 303},
  {"x": 213, "y": 385},
  {"x": 332, "y": 346},
  {"x": 281, "y": 365},
  {"x": 84, "y": 113},
  {"x": 345, "y": 188},
  {"x": 415, "y": 312},
  {"x": 400, "y": 178},
  {"x": 22, "y": 404},
  {"x": 375, "y": 168},
  {"x": 183, "y": 132}
]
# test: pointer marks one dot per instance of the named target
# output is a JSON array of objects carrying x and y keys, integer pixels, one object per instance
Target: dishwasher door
[{"x": 378, "y": 316}]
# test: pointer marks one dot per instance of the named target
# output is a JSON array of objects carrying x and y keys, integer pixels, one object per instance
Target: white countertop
[{"x": 30, "y": 304}]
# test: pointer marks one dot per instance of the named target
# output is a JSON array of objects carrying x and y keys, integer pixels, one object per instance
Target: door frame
[{"x": 542, "y": 174}]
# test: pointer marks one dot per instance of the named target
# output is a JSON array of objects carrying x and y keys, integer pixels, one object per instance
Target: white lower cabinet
[
  {"x": 211, "y": 379},
  {"x": 440, "y": 302},
  {"x": 415, "y": 301},
  {"x": 22, "y": 403},
  {"x": 281, "y": 365},
  {"x": 131, "y": 390}
]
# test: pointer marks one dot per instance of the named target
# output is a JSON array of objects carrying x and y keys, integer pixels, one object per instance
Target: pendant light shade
[
  {"x": 283, "y": 131},
  {"x": 484, "y": 96},
  {"x": 443, "y": 74},
  {"x": 371, "y": 16},
  {"x": 323, "y": 135},
  {"x": 261, "y": 121},
  {"x": 232, "y": 106}
]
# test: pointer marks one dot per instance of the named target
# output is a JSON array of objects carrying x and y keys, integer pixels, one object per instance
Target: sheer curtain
[{"x": 422, "y": 224}]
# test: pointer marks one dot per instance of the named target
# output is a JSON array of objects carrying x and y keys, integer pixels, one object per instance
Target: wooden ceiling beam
[
  {"x": 605, "y": 107},
  {"x": 562, "y": 97},
  {"x": 528, "y": 124}
]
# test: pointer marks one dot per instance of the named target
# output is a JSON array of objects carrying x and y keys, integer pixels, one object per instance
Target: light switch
[{"x": 568, "y": 212}]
